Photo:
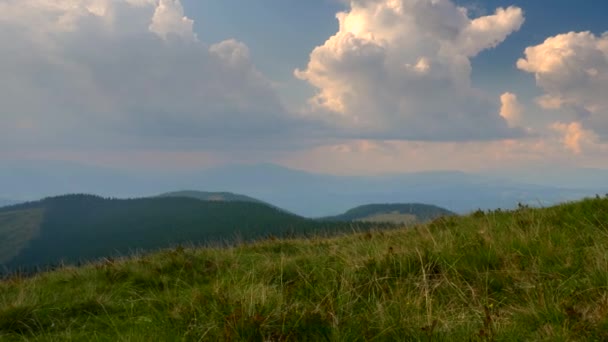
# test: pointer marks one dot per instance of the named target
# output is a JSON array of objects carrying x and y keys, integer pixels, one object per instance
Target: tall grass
[{"x": 529, "y": 274}]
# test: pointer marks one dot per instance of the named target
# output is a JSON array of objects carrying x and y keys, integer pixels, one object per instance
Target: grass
[
  {"x": 529, "y": 274},
  {"x": 18, "y": 227}
]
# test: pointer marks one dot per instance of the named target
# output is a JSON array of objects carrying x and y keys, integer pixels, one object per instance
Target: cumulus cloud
[
  {"x": 125, "y": 71},
  {"x": 169, "y": 19},
  {"x": 401, "y": 69},
  {"x": 572, "y": 70},
  {"x": 574, "y": 136},
  {"x": 511, "y": 110}
]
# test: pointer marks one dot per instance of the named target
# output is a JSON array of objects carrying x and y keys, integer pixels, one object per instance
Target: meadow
[{"x": 529, "y": 274}]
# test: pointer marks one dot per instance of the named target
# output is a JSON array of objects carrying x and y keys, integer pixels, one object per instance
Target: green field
[{"x": 524, "y": 275}]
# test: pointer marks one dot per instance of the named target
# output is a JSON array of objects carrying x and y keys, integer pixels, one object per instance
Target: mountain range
[
  {"x": 212, "y": 196},
  {"x": 304, "y": 193}
]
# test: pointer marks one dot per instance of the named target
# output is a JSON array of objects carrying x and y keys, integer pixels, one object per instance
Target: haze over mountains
[
  {"x": 303, "y": 193},
  {"x": 4, "y": 202}
]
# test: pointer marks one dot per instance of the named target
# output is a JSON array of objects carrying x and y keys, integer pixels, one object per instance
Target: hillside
[
  {"x": 523, "y": 275},
  {"x": 76, "y": 228},
  {"x": 400, "y": 213},
  {"x": 212, "y": 196}
]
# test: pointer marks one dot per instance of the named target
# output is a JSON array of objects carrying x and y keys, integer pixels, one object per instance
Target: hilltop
[
  {"x": 220, "y": 196},
  {"x": 527, "y": 274},
  {"x": 399, "y": 213},
  {"x": 212, "y": 196},
  {"x": 77, "y": 228}
]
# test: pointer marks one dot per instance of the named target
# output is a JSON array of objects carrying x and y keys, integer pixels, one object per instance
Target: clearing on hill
[{"x": 17, "y": 228}]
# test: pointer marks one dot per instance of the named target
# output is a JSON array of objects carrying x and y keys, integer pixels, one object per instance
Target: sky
[{"x": 342, "y": 87}]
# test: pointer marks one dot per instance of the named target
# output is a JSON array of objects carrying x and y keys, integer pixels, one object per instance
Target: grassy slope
[{"x": 532, "y": 274}]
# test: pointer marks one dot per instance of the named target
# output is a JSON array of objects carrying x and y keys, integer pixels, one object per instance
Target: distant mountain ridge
[
  {"x": 6, "y": 202},
  {"x": 222, "y": 196},
  {"x": 404, "y": 213},
  {"x": 306, "y": 193}
]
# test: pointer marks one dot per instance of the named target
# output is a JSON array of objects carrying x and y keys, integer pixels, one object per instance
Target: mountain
[
  {"x": 568, "y": 177},
  {"x": 304, "y": 193},
  {"x": 75, "y": 228},
  {"x": 524, "y": 275},
  {"x": 399, "y": 213},
  {"x": 317, "y": 195}
]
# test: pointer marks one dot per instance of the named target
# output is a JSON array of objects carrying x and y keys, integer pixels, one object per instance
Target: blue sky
[
  {"x": 281, "y": 33},
  {"x": 543, "y": 19},
  {"x": 401, "y": 86}
]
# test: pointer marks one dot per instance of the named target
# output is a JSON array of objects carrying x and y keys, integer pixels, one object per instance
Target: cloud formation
[
  {"x": 401, "y": 69},
  {"x": 574, "y": 136},
  {"x": 511, "y": 110},
  {"x": 125, "y": 71},
  {"x": 572, "y": 70},
  {"x": 169, "y": 19}
]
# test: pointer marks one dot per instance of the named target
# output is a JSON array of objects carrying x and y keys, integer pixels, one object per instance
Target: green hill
[
  {"x": 523, "y": 275},
  {"x": 399, "y": 213},
  {"x": 76, "y": 228}
]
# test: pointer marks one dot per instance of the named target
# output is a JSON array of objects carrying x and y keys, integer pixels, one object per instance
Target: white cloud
[
  {"x": 574, "y": 136},
  {"x": 401, "y": 69},
  {"x": 125, "y": 71},
  {"x": 511, "y": 110},
  {"x": 572, "y": 70},
  {"x": 489, "y": 31},
  {"x": 169, "y": 19}
]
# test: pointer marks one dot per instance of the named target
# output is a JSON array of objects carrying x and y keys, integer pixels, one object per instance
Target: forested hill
[
  {"x": 394, "y": 212},
  {"x": 76, "y": 228}
]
